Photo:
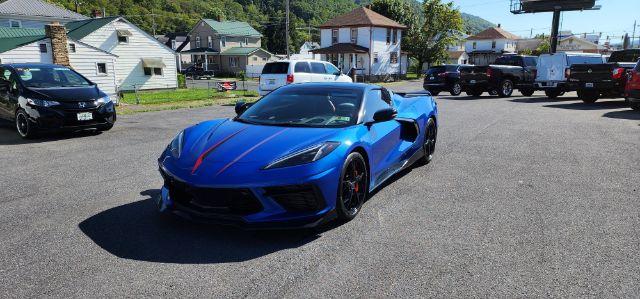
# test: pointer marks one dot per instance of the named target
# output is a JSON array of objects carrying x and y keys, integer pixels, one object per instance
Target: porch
[
  {"x": 347, "y": 56},
  {"x": 208, "y": 58}
]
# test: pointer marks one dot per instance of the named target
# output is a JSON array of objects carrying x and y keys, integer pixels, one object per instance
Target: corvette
[{"x": 301, "y": 156}]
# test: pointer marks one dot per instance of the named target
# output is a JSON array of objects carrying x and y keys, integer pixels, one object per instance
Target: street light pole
[{"x": 287, "y": 29}]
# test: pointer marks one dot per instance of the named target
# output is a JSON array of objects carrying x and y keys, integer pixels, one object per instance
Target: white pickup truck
[{"x": 554, "y": 71}]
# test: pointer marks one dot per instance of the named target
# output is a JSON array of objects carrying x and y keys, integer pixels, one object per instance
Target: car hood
[
  {"x": 65, "y": 94},
  {"x": 221, "y": 147}
]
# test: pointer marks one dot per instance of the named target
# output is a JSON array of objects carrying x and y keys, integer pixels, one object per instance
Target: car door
[
  {"x": 333, "y": 73},
  {"x": 319, "y": 72},
  {"x": 302, "y": 72},
  {"x": 384, "y": 137}
]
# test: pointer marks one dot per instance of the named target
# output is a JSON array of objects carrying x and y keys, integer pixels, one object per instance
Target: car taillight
[
  {"x": 442, "y": 75},
  {"x": 567, "y": 73},
  {"x": 489, "y": 72},
  {"x": 618, "y": 73},
  {"x": 289, "y": 79}
]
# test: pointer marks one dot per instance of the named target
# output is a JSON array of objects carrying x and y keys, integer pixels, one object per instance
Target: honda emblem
[{"x": 82, "y": 104}]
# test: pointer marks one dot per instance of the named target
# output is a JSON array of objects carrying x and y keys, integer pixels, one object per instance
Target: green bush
[{"x": 182, "y": 81}]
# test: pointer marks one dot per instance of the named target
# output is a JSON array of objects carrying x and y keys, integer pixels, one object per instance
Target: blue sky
[{"x": 614, "y": 19}]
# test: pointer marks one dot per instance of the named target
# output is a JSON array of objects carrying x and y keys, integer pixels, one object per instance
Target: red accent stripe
[
  {"x": 250, "y": 150},
  {"x": 209, "y": 150}
]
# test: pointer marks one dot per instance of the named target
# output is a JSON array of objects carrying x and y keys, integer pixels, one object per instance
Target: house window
[
  {"x": 475, "y": 45},
  {"x": 198, "y": 43},
  {"x": 209, "y": 42},
  {"x": 354, "y": 35},
  {"x": 233, "y": 61},
  {"x": 72, "y": 48},
  {"x": 149, "y": 71},
  {"x": 223, "y": 41},
  {"x": 246, "y": 41},
  {"x": 375, "y": 57},
  {"x": 493, "y": 44},
  {"x": 101, "y": 68},
  {"x": 123, "y": 36},
  {"x": 334, "y": 36},
  {"x": 43, "y": 48},
  {"x": 255, "y": 58},
  {"x": 264, "y": 58},
  {"x": 388, "y": 36},
  {"x": 15, "y": 23},
  {"x": 393, "y": 58},
  {"x": 395, "y": 36}
]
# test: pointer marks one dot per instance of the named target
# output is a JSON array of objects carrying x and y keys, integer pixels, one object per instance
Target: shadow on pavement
[
  {"x": 534, "y": 100},
  {"x": 465, "y": 98},
  {"x": 623, "y": 114},
  {"x": 613, "y": 104},
  {"x": 136, "y": 231},
  {"x": 9, "y": 136}
]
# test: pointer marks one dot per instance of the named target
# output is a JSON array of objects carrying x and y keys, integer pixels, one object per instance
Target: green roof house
[{"x": 227, "y": 47}]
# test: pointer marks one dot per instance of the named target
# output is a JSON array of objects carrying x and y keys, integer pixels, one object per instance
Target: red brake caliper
[{"x": 356, "y": 178}]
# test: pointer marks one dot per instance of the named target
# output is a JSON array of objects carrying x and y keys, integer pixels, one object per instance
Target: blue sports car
[{"x": 300, "y": 156}]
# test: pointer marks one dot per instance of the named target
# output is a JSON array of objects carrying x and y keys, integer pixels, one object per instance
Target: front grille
[
  {"x": 77, "y": 106},
  {"x": 218, "y": 201},
  {"x": 297, "y": 198}
]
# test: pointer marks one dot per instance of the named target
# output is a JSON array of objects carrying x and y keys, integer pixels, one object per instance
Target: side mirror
[
  {"x": 338, "y": 73},
  {"x": 384, "y": 115},
  {"x": 241, "y": 107}
]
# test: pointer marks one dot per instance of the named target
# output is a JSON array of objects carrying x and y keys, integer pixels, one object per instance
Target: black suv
[
  {"x": 46, "y": 96},
  {"x": 443, "y": 78}
]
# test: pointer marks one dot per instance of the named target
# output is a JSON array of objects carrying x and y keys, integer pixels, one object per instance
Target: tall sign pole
[
  {"x": 287, "y": 29},
  {"x": 555, "y": 31}
]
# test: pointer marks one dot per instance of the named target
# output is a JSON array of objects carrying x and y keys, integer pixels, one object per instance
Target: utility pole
[
  {"x": 555, "y": 28},
  {"x": 77, "y": 2},
  {"x": 153, "y": 20},
  {"x": 287, "y": 29}
]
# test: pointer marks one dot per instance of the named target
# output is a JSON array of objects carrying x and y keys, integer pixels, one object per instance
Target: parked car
[
  {"x": 554, "y": 71},
  {"x": 197, "y": 72},
  {"x": 508, "y": 73},
  {"x": 632, "y": 91},
  {"x": 283, "y": 72},
  {"x": 443, "y": 78},
  {"x": 610, "y": 79},
  {"x": 300, "y": 156},
  {"x": 44, "y": 97}
]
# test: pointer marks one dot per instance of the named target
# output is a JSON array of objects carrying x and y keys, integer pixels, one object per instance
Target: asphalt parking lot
[{"x": 526, "y": 197}]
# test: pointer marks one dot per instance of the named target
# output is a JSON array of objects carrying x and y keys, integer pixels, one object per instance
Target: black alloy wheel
[
  {"x": 430, "y": 138},
  {"x": 353, "y": 187},
  {"x": 506, "y": 88},
  {"x": 456, "y": 89},
  {"x": 24, "y": 126}
]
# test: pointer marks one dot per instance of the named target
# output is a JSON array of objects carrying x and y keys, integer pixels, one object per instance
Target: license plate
[
  {"x": 432, "y": 78},
  {"x": 85, "y": 116},
  {"x": 588, "y": 85},
  {"x": 472, "y": 81},
  {"x": 271, "y": 82}
]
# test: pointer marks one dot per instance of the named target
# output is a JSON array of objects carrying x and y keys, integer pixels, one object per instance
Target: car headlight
[
  {"x": 103, "y": 100},
  {"x": 175, "y": 147},
  {"x": 308, "y": 155},
  {"x": 42, "y": 103}
]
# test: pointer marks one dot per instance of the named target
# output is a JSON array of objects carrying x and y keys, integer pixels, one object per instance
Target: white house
[
  {"x": 305, "y": 51},
  {"x": 34, "y": 14},
  {"x": 364, "y": 40},
  {"x": 484, "y": 47},
  {"x": 142, "y": 61},
  {"x": 19, "y": 45},
  {"x": 574, "y": 43},
  {"x": 458, "y": 57}
]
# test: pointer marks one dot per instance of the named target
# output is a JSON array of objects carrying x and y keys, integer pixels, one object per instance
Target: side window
[
  {"x": 386, "y": 96},
  {"x": 373, "y": 103},
  {"x": 331, "y": 69},
  {"x": 302, "y": 67},
  {"x": 318, "y": 68}
]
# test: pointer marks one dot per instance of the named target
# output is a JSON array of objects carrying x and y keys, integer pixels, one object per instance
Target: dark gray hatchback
[{"x": 40, "y": 97}]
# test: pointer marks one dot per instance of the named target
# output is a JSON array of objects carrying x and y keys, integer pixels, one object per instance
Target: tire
[
  {"x": 353, "y": 187},
  {"x": 506, "y": 88},
  {"x": 588, "y": 96},
  {"x": 456, "y": 89},
  {"x": 552, "y": 93},
  {"x": 25, "y": 127},
  {"x": 430, "y": 139},
  {"x": 527, "y": 92},
  {"x": 475, "y": 93}
]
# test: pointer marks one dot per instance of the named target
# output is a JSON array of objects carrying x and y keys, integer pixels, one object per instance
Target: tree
[
  {"x": 442, "y": 26},
  {"x": 544, "y": 47}
]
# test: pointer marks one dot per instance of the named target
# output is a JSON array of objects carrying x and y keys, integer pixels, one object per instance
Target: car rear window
[
  {"x": 302, "y": 67},
  {"x": 276, "y": 68},
  {"x": 437, "y": 70},
  {"x": 317, "y": 68},
  {"x": 625, "y": 56},
  {"x": 585, "y": 60}
]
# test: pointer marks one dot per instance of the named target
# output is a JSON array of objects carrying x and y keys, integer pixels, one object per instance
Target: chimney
[
  {"x": 58, "y": 35},
  {"x": 96, "y": 14},
  {"x": 499, "y": 25}
]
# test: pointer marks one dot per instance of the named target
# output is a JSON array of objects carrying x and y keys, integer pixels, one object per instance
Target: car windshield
[
  {"x": 50, "y": 77},
  {"x": 302, "y": 106}
]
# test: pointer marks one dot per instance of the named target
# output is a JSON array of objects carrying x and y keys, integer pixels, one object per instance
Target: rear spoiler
[{"x": 414, "y": 94}]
